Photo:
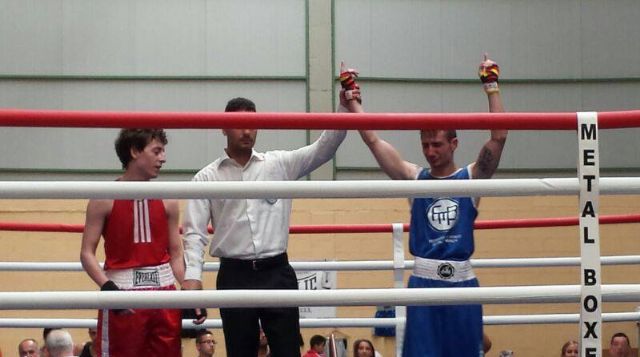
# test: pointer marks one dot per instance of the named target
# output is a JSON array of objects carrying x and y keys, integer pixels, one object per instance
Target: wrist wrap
[{"x": 109, "y": 286}]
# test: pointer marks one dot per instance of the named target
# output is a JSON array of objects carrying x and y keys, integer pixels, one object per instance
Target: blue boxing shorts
[{"x": 445, "y": 330}]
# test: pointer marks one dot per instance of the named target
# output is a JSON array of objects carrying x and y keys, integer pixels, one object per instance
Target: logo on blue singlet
[
  {"x": 442, "y": 215},
  {"x": 446, "y": 271}
]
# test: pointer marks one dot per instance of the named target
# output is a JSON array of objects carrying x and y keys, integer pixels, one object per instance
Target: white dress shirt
[{"x": 249, "y": 228}]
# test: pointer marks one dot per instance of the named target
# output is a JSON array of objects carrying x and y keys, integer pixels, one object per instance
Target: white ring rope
[
  {"x": 336, "y": 322},
  {"x": 286, "y": 298},
  {"x": 355, "y": 265},
  {"x": 556, "y": 318},
  {"x": 307, "y": 189}
]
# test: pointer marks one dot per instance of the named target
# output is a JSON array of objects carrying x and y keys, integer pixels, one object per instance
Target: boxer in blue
[{"x": 441, "y": 234}]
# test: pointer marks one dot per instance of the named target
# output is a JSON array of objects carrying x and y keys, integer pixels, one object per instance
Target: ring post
[{"x": 589, "y": 176}]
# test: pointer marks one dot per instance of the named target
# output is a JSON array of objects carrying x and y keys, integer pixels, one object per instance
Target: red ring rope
[
  {"x": 385, "y": 121},
  {"x": 355, "y": 228}
]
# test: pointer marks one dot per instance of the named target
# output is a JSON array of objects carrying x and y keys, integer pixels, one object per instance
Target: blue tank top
[{"x": 442, "y": 228}]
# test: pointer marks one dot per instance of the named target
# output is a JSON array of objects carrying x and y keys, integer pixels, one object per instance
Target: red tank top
[{"x": 136, "y": 234}]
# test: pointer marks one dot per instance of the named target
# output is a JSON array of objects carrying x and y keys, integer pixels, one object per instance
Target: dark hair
[
  {"x": 449, "y": 133},
  {"x": 317, "y": 340},
  {"x": 621, "y": 334},
  {"x": 201, "y": 333},
  {"x": 47, "y": 330},
  {"x": 566, "y": 345},
  {"x": 240, "y": 105},
  {"x": 138, "y": 139},
  {"x": 358, "y": 342}
]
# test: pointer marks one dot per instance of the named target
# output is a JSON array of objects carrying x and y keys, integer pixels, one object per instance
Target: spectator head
[
  {"x": 570, "y": 349},
  {"x": 93, "y": 333},
  {"x": 205, "y": 343},
  {"x": 59, "y": 343},
  {"x": 28, "y": 347},
  {"x": 317, "y": 343},
  {"x": 363, "y": 348},
  {"x": 620, "y": 346}
]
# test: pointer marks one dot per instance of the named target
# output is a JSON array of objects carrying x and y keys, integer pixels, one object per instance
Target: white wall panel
[
  {"x": 471, "y": 28},
  {"x": 255, "y": 37},
  {"x": 446, "y": 39},
  {"x": 159, "y": 37},
  {"x": 170, "y": 37},
  {"x": 545, "y": 40},
  {"x": 97, "y": 95},
  {"x": 389, "y": 38},
  {"x": 30, "y": 37},
  {"x": 31, "y": 94},
  {"x": 610, "y": 31},
  {"x": 97, "y": 37},
  {"x": 535, "y": 39},
  {"x": 47, "y": 148}
]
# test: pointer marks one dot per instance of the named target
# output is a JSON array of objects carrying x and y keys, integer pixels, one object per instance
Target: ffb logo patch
[{"x": 442, "y": 214}]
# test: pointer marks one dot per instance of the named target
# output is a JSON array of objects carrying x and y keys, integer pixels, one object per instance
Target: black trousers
[{"x": 240, "y": 325}]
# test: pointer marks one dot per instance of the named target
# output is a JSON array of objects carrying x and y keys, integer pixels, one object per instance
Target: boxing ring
[{"x": 586, "y": 185}]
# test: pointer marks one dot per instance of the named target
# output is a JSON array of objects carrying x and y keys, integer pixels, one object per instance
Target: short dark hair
[
  {"x": 317, "y": 340},
  {"x": 240, "y": 105},
  {"x": 449, "y": 133},
  {"x": 201, "y": 333},
  {"x": 620, "y": 334},
  {"x": 138, "y": 139},
  {"x": 47, "y": 330}
]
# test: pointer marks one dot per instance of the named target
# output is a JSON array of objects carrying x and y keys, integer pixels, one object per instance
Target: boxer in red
[{"x": 143, "y": 251}]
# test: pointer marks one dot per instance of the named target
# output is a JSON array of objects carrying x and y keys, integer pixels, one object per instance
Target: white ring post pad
[
  {"x": 398, "y": 273},
  {"x": 589, "y": 177}
]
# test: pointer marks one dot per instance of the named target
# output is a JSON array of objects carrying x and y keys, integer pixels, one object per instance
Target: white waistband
[
  {"x": 445, "y": 270},
  {"x": 142, "y": 277}
]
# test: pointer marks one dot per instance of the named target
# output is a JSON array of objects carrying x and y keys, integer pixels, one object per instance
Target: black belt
[{"x": 255, "y": 264}]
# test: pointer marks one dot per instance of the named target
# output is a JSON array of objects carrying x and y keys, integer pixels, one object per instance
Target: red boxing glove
[
  {"x": 489, "y": 72},
  {"x": 348, "y": 79},
  {"x": 348, "y": 82}
]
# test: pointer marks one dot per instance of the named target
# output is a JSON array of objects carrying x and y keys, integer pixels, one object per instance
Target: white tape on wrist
[
  {"x": 352, "y": 94},
  {"x": 491, "y": 87}
]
